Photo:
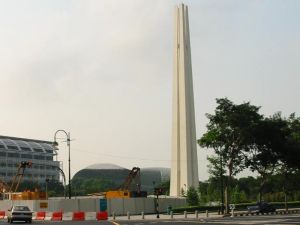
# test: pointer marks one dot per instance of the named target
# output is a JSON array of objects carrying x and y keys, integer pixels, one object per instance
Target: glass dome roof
[{"x": 20, "y": 144}]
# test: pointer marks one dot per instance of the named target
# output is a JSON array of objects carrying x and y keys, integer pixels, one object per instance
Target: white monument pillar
[{"x": 184, "y": 166}]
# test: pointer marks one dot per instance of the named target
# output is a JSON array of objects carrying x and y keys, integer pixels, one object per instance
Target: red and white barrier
[
  {"x": 57, "y": 216},
  {"x": 65, "y": 216},
  {"x": 90, "y": 216},
  {"x": 102, "y": 215},
  {"x": 48, "y": 216},
  {"x": 2, "y": 214},
  {"x": 78, "y": 216},
  {"x": 40, "y": 216}
]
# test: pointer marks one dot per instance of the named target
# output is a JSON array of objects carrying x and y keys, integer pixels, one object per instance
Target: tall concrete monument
[{"x": 184, "y": 166}]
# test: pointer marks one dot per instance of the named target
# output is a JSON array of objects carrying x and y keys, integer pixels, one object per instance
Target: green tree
[
  {"x": 192, "y": 196},
  {"x": 216, "y": 166},
  {"x": 165, "y": 185},
  {"x": 263, "y": 158},
  {"x": 217, "y": 171},
  {"x": 83, "y": 186},
  {"x": 202, "y": 190},
  {"x": 54, "y": 187},
  {"x": 250, "y": 186},
  {"x": 289, "y": 155},
  {"x": 230, "y": 133},
  {"x": 237, "y": 195}
]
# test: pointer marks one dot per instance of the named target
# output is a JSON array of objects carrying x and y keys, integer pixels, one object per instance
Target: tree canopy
[{"x": 242, "y": 138}]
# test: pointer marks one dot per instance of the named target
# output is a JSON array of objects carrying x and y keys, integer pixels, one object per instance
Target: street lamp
[
  {"x": 221, "y": 182},
  {"x": 68, "y": 143},
  {"x": 46, "y": 182}
]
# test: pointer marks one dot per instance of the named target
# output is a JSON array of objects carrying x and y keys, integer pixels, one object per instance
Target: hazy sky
[{"x": 102, "y": 70}]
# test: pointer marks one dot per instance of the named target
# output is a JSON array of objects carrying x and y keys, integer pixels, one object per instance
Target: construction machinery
[
  {"x": 124, "y": 190},
  {"x": 12, "y": 193},
  {"x": 19, "y": 176},
  {"x": 3, "y": 188}
]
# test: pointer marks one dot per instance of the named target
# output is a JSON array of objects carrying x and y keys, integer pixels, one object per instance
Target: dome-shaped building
[{"x": 106, "y": 176}]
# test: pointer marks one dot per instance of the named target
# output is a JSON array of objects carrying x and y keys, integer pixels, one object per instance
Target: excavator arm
[
  {"x": 134, "y": 174},
  {"x": 19, "y": 176}
]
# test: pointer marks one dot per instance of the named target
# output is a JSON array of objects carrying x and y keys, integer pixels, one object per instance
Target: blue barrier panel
[{"x": 103, "y": 205}]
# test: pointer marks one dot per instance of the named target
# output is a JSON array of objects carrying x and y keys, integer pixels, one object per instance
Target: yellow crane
[
  {"x": 123, "y": 191},
  {"x": 19, "y": 176},
  {"x": 12, "y": 193},
  {"x": 3, "y": 186}
]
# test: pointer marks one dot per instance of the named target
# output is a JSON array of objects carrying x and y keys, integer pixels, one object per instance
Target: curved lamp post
[{"x": 68, "y": 143}]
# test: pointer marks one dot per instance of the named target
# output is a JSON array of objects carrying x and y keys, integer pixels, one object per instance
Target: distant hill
[{"x": 103, "y": 177}]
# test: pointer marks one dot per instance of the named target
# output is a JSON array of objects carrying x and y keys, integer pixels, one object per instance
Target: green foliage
[
  {"x": 246, "y": 189},
  {"x": 242, "y": 207},
  {"x": 54, "y": 187},
  {"x": 165, "y": 186},
  {"x": 192, "y": 196},
  {"x": 209, "y": 191},
  {"x": 270, "y": 138},
  {"x": 216, "y": 167},
  {"x": 230, "y": 132},
  {"x": 238, "y": 196},
  {"x": 250, "y": 186},
  {"x": 84, "y": 186},
  {"x": 243, "y": 138},
  {"x": 290, "y": 155}
]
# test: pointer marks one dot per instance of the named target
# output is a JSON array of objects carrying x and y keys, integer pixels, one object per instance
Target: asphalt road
[{"x": 249, "y": 220}]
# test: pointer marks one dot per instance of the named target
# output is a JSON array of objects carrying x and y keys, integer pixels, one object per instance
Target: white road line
[
  {"x": 183, "y": 221},
  {"x": 276, "y": 221},
  {"x": 115, "y": 223}
]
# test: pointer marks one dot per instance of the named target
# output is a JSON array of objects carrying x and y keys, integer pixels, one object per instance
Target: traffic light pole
[{"x": 157, "y": 207}]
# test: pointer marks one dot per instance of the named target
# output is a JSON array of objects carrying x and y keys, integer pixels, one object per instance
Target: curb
[
  {"x": 277, "y": 212},
  {"x": 98, "y": 216}
]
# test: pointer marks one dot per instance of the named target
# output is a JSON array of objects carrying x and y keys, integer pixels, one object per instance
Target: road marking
[
  {"x": 183, "y": 221},
  {"x": 114, "y": 222},
  {"x": 242, "y": 222}
]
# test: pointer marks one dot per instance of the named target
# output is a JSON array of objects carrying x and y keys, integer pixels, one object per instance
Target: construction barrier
[
  {"x": 48, "y": 216},
  {"x": 57, "y": 216},
  {"x": 40, "y": 216},
  {"x": 102, "y": 215},
  {"x": 2, "y": 214},
  {"x": 68, "y": 216},
  {"x": 78, "y": 216},
  {"x": 90, "y": 215}
]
